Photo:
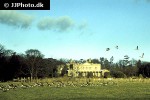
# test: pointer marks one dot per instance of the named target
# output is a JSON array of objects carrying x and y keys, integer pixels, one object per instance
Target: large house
[{"x": 85, "y": 69}]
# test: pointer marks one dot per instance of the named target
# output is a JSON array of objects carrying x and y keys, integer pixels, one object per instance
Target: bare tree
[
  {"x": 9, "y": 53},
  {"x": 33, "y": 59},
  {"x": 2, "y": 50}
]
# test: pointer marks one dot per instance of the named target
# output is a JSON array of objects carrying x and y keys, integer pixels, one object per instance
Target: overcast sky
[{"x": 80, "y": 29}]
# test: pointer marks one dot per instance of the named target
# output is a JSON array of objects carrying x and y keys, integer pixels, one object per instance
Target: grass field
[{"x": 99, "y": 90}]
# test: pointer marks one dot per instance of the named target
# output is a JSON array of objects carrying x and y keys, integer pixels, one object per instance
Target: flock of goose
[
  {"x": 59, "y": 84},
  {"x": 137, "y": 48}
]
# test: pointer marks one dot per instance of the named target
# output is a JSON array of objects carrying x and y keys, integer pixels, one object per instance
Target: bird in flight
[
  {"x": 142, "y": 55},
  {"x": 137, "y": 48},
  {"x": 116, "y": 47},
  {"x": 107, "y": 49}
]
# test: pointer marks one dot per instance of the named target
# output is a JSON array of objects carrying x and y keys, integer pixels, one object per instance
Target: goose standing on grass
[
  {"x": 24, "y": 86},
  {"x": 5, "y": 89}
]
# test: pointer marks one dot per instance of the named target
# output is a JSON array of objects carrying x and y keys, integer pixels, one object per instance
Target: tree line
[{"x": 33, "y": 64}]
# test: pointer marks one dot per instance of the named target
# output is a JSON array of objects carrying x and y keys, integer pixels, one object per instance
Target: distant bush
[
  {"x": 107, "y": 75},
  {"x": 118, "y": 74}
]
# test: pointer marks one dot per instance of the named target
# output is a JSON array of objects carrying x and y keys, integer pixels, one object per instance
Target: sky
[{"x": 80, "y": 29}]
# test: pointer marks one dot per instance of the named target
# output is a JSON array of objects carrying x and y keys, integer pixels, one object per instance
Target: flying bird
[
  {"x": 137, "y": 48},
  {"x": 142, "y": 55},
  {"x": 126, "y": 57},
  {"x": 116, "y": 47},
  {"x": 107, "y": 49}
]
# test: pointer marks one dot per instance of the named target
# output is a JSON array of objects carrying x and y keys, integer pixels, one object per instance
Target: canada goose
[
  {"x": 5, "y": 89},
  {"x": 107, "y": 49},
  {"x": 116, "y": 47},
  {"x": 142, "y": 55},
  {"x": 137, "y": 48},
  {"x": 24, "y": 86}
]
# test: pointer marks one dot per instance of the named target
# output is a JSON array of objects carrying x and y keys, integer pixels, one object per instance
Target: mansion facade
[{"x": 86, "y": 69}]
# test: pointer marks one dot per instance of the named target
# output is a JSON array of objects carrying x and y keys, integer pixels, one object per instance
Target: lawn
[{"x": 116, "y": 89}]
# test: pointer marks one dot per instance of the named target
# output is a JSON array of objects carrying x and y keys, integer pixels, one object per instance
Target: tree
[
  {"x": 33, "y": 60},
  {"x": 102, "y": 62},
  {"x": 3, "y": 64},
  {"x": 23, "y": 69},
  {"x": 138, "y": 64},
  {"x": 111, "y": 61},
  {"x": 133, "y": 62},
  {"x": 121, "y": 64},
  {"x": 14, "y": 65},
  {"x": 117, "y": 74},
  {"x": 2, "y": 50},
  {"x": 9, "y": 53},
  {"x": 95, "y": 61},
  {"x": 106, "y": 64},
  {"x": 145, "y": 69},
  {"x": 3, "y": 68}
]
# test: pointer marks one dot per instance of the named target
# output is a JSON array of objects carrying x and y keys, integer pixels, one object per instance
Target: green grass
[{"x": 124, "y": 90}]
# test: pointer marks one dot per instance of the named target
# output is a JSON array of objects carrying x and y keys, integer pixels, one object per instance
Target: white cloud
[
  {"x": 83, "y": 25},
  {"x": 61, "y": 24},
  {"x": 14, "y": 18}
]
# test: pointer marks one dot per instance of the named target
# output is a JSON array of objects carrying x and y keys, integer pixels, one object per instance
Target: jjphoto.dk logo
[
  {"x": 6, "y": 5},
  {"x": 25, "y": 5},
  {"x": 12, "y": 5}
]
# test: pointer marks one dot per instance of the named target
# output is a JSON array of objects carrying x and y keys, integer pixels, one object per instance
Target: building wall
[
  {"x": 84, "y": 69},
  {"x": 88, "y": 67}
]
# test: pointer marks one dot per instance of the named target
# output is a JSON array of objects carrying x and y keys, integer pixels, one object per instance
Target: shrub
[
  {"x": 107, "y": 75},
  {"x": 118, "y": 74}
]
